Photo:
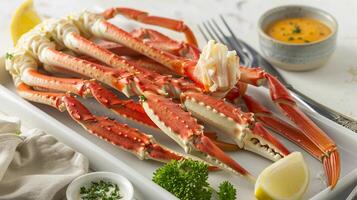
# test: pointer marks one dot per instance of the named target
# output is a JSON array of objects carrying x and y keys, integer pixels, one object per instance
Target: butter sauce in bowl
[
  {"x": 298, "y": 30},
  {"x": 297, "y": 38}
]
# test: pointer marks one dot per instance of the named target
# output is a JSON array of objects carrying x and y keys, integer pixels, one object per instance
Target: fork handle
[{"x": 327, "y": 112}]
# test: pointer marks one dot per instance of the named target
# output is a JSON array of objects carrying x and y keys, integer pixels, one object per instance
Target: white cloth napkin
[{"x": 36, "y": 166}]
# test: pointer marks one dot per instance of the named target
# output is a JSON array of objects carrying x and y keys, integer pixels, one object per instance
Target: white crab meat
[{"x": 217, "y": 68}]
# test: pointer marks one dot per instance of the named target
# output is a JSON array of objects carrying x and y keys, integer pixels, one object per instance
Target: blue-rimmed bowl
[{"x": 297, "y": 57}]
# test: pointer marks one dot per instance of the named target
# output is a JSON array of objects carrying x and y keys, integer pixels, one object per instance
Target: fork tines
[{"x": 211, "y": 29}]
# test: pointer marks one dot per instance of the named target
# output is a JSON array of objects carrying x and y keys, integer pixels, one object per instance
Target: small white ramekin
[{"x": 126, "y": 188}]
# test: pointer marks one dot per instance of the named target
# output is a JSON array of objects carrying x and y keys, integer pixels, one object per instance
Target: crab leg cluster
[
  {"x": 54, "y": 45},
  {"x": 142, "y": 145},
  {"x": 148, "y": 65},
  {"x": 215, "y": 76}
]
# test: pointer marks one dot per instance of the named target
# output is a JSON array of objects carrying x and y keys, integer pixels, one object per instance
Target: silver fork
[
  {"x": 211, "y": 30},
  {"x": 249, "y": 57}
]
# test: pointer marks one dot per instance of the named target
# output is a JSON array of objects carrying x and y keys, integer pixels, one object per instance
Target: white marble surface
[{"x": 334, "y": 85}]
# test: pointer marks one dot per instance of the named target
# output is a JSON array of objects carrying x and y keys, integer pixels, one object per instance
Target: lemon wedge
[
  {"x": 24, "y": 19},
  {"x": 286, "y": 179}
]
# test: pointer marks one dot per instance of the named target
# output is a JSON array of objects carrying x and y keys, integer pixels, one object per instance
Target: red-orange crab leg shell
[
  {"x": 263, "y": 115},
  {"x": 164, "y": 43},
  {"x": 99, "y": 72},
  {"x": 236, "y": 123},
  {"x": 137, "y": 61},
  {"x": 252, "y": 76},
  {"x": 118, "y": 134},
  {"x": 183, "y": 128},
  {"x": 225, "y": 146},
  {"x": 236, "y": 92},
  {"x": 222, "y": 145},
  {"x": 121, "y": 79},
  {"x": 262, "y": 132},
  {"x": 126, "y": 108},
  {"x": 281, "y": 96},
  {"x": 144, "y": 17},
  {"x": 144, "y": 78},
  {"x": 48, "y": 98},
  {"x": 116, "y": 34},
  {"x": 117, "y": 48}
]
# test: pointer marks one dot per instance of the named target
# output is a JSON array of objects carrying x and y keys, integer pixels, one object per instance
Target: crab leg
[
  {"x": 233, "y": 122},
  {"x": 263, "y": 115},
  {"x": 135, "y": 61},
  {"x": 309, "y": 136},
  {"x": 120, "y": 79},
  {"x": 185, "y": 130},
  {"x": 115, "y": 34},
  {"x": 129, "y": 139},
  {"x": 144, "y": 17},
  {"x": 330, "y": 157},
  {"x": 86, "y": 88},
  {"x": 117, "y": 48},
  {"x": 160, "y": 41}
]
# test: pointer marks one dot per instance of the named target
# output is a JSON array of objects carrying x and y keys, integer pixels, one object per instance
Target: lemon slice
[
  {"x": 286, "y": 179},
  {"x": 24, "y": 19}
]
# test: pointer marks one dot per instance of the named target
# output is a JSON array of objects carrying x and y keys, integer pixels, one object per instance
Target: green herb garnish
[
  {"x": 227, "y": 191},
  {"x": 296, "y": 29},
  {"x": 142, "y": 98},
  {"x": 100, "y": 190},
  {"x": 9, "y": 56},
  {"x": 187, "y": 180},
  {"x": 291, "y": 38}
]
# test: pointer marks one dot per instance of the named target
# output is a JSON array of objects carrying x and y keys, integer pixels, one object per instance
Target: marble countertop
[{"x": 334, "y": 85}]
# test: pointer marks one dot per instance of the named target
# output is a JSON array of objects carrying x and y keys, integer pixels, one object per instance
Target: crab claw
[
  {"x": 260, "y": 141},
  {"x": 329, "y": 153},
  {"x": 239, "y": 126},
  {"x": 184, "y": 129},
  {"x": 212, "y": 154},
  {"x": 263, "y": 115}
]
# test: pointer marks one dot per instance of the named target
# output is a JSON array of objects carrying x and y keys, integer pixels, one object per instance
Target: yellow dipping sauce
[{"x": 298, "y": 30}]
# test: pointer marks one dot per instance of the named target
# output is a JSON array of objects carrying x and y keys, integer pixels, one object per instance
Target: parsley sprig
[
  {"x": 226, "y": 191},
  {"x": 187, "y": 180},
  {"x": 9, "y": 56},
  {"x": 142, "y": 98},
  {"x": 296, "y": 29}
]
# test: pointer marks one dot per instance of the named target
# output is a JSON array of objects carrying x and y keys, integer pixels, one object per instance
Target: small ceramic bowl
[
  {"x": 126, "y": 188},
  {"x": 297, "y": 57}
]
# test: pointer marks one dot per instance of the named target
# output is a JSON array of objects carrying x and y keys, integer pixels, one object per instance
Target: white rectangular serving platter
[{"x": 104, "y": 156}]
